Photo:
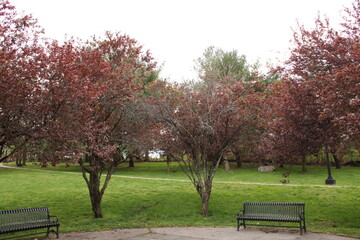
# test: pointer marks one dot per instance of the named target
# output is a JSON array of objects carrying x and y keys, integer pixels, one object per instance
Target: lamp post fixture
[{"x": 330, "y": 180}]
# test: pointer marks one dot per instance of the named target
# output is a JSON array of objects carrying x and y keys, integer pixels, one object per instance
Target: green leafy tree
[{"x": 216, "y": 64}]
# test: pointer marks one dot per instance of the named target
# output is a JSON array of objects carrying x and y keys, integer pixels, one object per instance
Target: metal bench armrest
[
  {"x": 57, "y": 219},
  {"x": 240, "y": 212}
]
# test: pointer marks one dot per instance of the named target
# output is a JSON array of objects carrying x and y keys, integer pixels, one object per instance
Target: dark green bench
[
  {"x": 12, "y": 221},
  {"x": 272, "y": 212}
]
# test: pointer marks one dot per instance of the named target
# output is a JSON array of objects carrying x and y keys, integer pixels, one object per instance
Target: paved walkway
[{"x": 192, "y": 233}]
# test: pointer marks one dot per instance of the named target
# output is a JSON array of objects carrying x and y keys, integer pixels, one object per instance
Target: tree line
[{"x": 100, "y": 102}]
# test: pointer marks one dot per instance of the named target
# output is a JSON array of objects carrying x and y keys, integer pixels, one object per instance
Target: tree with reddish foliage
[
  {"x": 322, "y": 77},
  {"x": 114, "y": 116},
  {"x": 74, "y": 101},
  {"x": 292, "y": 122},
  {"x": 216, "y": 64},
  {"x": 202, "y": 123},
  {"x": 72, "y": 86},
  {"x": 20, "y": 53},
  {"x": 343, "y": 100},
  {"x": 91, "y": 91}
]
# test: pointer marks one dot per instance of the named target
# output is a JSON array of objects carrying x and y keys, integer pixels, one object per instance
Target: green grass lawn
[{"x": 134, "y": 202}]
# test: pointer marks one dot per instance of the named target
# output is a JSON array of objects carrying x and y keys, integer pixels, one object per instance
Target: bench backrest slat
[
  {"x": 274, "y": 209},
  {"x": 20, "y": 216}
]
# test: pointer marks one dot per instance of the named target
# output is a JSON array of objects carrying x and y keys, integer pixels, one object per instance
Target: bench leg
[
  {"x": 301, "y": 227},
  {"x": 57, "y": 231},
  {"x": 239, "y": 224}
]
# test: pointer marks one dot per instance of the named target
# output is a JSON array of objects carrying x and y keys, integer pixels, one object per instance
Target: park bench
[
  {"x": 272, "y": 212},
  {"x": 12, "y": 221}
]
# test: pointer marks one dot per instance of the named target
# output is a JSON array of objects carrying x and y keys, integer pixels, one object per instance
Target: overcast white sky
[{"x": 178, "y": 31}]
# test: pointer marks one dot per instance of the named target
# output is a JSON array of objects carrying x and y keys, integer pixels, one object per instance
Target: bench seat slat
[
  {"x": 269, "y": 217},
  {"x": 27, "y": 226}
]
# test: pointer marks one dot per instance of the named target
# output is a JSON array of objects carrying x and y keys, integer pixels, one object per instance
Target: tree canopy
[
  {"x": 202, "y": 123},
  {"x": 97, "y": 102},
  {"x": 215, "y": 64}
]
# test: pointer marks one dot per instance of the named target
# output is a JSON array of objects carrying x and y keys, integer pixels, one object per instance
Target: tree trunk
[
  {"x": 96, "y": 197},
  {"x": 205, "y": 204},
  {"x": 227, "y": 166},
  {"x": 18, "y": 162},
  {"x": 93, "y": 183},
  {"x": 95, "y": 194},
  {"x": 336, "y": 160},
  {"x": 24, "y": 156},
  {"x": 204, "y": 190},
  {"x": 147, "y": 158},
  {"x": 94, "y": 171},
  {"x": 238, "y": 159},
  {"x": 304, "y": 169},
  {"x": 318, "y": 159},
  {"x": 131, "y": 162},
  {"x": 201, "y": 171},
  {"x": 168, "y": 162}
]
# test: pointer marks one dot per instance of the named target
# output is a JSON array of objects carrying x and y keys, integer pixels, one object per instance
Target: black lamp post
[{"x": 329, "y": 180}]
